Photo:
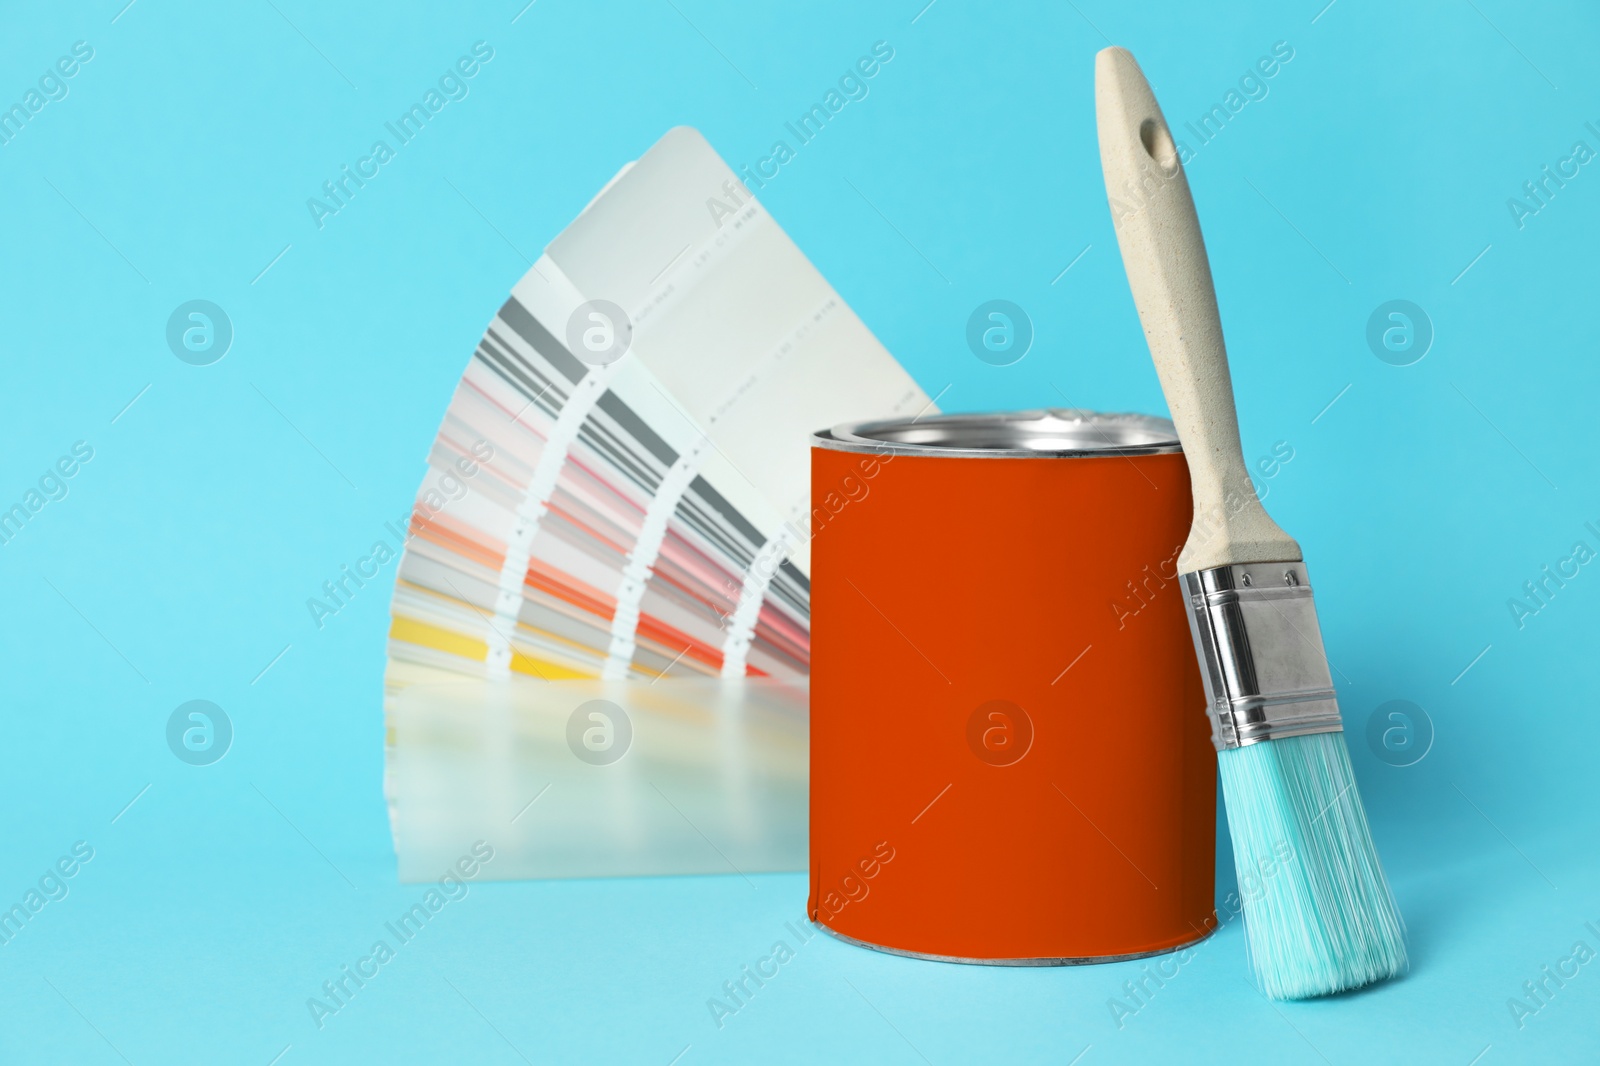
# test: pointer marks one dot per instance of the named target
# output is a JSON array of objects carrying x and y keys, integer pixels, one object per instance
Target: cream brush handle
[{"x": 1165, "y": 259}]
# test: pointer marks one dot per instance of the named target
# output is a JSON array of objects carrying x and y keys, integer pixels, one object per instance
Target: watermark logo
[
  {"x": 599, "y": 333},
  {"x": 452, "y": 86},
  {"x": 850, "y": 87},
  {"x": 1252, "y": 87},
  {"x": 52, "y": 86},
  {"x": 1168, "y": 152},
  {"x": 1000, "y": 732},
  {"x": 452, "y": 887},
  {"x": 1400, "y": 733},
  {"x": 199, "y": 332},
  {"x": 51, "y": 887},
  {"x": 445, "y": 484},
  {"x": 1540, "y": 992},
  {"x": 753, "y": 977},
  {"x": 852, "y": 887},
  {"x": 1253, "y": 881},
  {"x": 1537, "y": 194},
  {"x": 199, "y": 732},
  {"x": 1138, "y": 994},
  {"x": 599, "y": 732},
  {"x": 999, "y": 332},
  {"x": 1145, "y": 587},
  {"x": 1399, "y": 332},
  {"x": 1538, "y": 593},
  {"x": 51, "y": 487}
]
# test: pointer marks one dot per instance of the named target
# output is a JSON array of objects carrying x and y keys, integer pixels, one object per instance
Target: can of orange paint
[{"x": 1007, "y": 765}]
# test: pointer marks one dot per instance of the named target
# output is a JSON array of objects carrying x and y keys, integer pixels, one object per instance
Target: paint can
[{"x": 1009, "y": 763}]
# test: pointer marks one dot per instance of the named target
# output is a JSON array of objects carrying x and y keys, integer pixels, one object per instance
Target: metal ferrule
[{"x": 1260, "y": 648}]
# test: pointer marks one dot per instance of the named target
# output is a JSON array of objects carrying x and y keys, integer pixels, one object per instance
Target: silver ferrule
[{"x": 1260, "y": 648}]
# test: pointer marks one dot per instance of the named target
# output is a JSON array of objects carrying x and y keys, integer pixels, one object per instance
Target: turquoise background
[{"x": 1378, "y": 167}]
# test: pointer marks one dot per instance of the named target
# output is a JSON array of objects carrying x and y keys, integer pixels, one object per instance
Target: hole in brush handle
[{"x": 1157, "y": 141}]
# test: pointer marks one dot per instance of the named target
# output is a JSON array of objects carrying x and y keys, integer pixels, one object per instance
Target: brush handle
[{"x": 1165, "y": 259}]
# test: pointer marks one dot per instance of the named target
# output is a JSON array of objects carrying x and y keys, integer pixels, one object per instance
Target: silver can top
[{"x": 1053, "y": 433}]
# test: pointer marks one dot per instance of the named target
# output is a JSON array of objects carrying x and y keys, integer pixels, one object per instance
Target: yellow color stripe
[
  {"x": 524, "y": 664},
  {"x": 452, "y": 643}
]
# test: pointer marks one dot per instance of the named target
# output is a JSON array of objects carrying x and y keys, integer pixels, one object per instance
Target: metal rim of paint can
[{"x": 1056, "y": 432}]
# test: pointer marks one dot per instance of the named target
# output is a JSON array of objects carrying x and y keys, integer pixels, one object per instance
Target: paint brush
[{"x": 1319, "y": 916}]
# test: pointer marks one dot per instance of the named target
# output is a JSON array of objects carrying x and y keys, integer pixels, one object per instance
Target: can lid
[{"x": 1056, "y": 432}]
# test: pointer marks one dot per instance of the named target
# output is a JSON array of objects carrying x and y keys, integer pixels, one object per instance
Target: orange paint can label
[{"x": 1010, "y": 760}]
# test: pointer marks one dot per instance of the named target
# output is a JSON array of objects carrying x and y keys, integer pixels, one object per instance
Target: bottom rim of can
[{"x": 1086, "y": 960}]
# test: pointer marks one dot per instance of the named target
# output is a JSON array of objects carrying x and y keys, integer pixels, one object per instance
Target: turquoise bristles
[{"x": 1318, "y": 912}]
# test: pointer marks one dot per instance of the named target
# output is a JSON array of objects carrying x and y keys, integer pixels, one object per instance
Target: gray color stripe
[
  {"x": 624, "y": 417},
  {"x": 696, "y": 517},
  {"x": 613, "y": 446},
  {"x": 522, "y": 375},
  {"x": 541, "y": 340},
  {"x": 703, "y": 489},
  {"x": 796, "y": 576}
]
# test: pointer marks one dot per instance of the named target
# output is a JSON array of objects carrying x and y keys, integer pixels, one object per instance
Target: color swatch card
[
  {"x": 697, "y": 776},
  {"x": 620, "y": 486}
]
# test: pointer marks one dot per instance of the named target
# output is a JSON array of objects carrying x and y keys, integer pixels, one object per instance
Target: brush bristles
[{"x": 1318, "y": 912}]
